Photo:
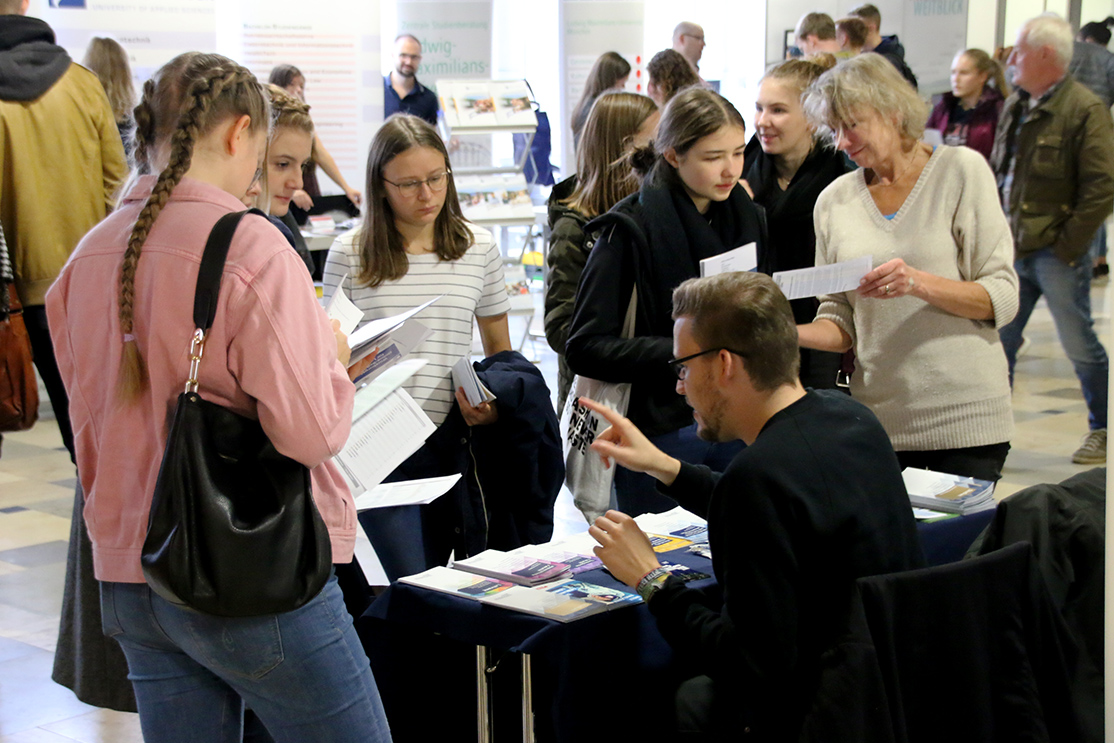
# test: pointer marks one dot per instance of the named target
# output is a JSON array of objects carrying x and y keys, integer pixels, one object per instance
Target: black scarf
[
  {"x": 792, "y": 242},
  {"x": 30, "y": 61},
  {"x": 679, "y": 236}
]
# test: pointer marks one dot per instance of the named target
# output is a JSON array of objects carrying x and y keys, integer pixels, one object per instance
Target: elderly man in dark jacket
[{"x": 1054, "y": 159}]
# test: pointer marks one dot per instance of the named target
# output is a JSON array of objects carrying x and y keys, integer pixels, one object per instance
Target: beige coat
[{"x": 61, "y": 164}]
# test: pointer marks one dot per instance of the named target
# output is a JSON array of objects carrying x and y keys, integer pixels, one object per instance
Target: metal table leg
[
  {"x": 483, "y": 700},
  {"x": 527, "y": 700}
]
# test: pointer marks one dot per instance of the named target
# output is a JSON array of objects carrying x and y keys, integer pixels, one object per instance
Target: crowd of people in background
[{"x": 971, "y": 210}]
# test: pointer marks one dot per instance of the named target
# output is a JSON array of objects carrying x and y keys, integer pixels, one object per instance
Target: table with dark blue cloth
[{"x": 596, "y": 678}]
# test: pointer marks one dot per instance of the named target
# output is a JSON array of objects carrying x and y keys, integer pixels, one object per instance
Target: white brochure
[
  {"x": 742, "y": 258},
  {"x": 371, "y": 334},
  {"x": 464, "y": 375},
  {"x": 340, "y": 308},
  {"x": 831, "y": 279}
]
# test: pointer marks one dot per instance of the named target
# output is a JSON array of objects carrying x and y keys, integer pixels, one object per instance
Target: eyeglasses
[
  {"x": 436, "y": 183},
  {"x": 682, "y": 371},
  {"x": 411, "y": 57}
]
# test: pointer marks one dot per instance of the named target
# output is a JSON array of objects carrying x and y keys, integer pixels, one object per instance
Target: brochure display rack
[{"x": 490, "y": 194}]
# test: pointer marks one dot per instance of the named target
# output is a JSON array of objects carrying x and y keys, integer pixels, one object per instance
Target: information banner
[
  {"x": 588, "y": 29},
  {"x": 935, "y": 30},
  {"x": 455, "y": 37},
  {"x": 152, "y": 31},
  {"x": 338, "y": 52}
]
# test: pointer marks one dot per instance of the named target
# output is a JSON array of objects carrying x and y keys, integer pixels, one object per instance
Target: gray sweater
[{"x": 935, "y": 380}]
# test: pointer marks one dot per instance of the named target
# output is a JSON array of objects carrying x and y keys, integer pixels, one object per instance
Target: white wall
[
  {"x": 735, "y": 36},
  {"x": 982, "y": 23}
]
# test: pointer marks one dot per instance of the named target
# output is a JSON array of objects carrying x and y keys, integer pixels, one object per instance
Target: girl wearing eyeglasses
[{"x": 415, "y": 245}]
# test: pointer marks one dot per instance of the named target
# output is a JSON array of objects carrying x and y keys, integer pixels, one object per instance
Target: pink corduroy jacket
[{"x": 270, "y": 355}]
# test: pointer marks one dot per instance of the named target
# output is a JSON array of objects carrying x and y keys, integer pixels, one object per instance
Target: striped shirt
[{"x": 473, "y": 286}]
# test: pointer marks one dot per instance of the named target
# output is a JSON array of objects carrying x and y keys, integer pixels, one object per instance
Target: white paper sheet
[
  {"x": 340, "y": 308},
  {"x": 831, "y": 279},
  {"x": 375, "y": 391},
  {"x": 381, "y": 440},
  {"x": 369, "y": 561},
  {"x": 742, "y": 258},
  {"x": 407, "y": 493},
  {"x": 927, "y": 482}
]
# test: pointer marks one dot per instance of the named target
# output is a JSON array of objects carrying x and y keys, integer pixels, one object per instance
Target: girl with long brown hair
[
  {"x": 610, "y": 72},
  {"x": 618, "y": 124},
  {"x": 415, "y": 245},
  {"x": 109, "y": 61},
  {"x": 121, "y": 317}
]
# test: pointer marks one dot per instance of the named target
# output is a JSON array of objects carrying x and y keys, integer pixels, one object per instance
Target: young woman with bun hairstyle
[
  {"x": 121, "y": 316},
  {"x": 415, "y": 245},
  {"x": 619, "y": 124},
  {"x": 786, "y": 172},
  {"x": 689, "y": 207},
  {"x": 967, "y": 115},
  {"x": 610, "y": 72}
]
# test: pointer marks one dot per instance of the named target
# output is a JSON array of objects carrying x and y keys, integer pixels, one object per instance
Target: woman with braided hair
[{"x": 121, "y": 316}]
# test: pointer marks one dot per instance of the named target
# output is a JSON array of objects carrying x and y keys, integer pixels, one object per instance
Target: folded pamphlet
[{"x": 464, "y": 376}]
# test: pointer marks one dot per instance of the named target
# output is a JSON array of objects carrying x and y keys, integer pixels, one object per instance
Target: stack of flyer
[
  {"x": 940, "y": 492},
  {"x": 564, "y": 601},
  {"x": 516, "y": 568}
]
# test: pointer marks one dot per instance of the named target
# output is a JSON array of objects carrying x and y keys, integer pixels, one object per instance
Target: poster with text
[
  {"x": 934, "y": 31},
  {"x": 152, "y": 31},
  {"x": 338, "y": 54},
  {"x": 455, "y": 37},
  {"x": 588, "y": 29}
]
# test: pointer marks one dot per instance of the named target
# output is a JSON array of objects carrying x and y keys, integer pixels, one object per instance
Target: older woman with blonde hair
[{"x": 924, "y": 320}]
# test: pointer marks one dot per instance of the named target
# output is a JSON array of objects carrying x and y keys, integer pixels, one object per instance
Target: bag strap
[
  {"x": 212, "y": 267},
  {"x": 632, "y": 315}
]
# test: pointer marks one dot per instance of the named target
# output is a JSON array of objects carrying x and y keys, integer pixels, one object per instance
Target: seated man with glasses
[
  {"x": 401, "y": 89},
  {"x": 815, "y": 501}
]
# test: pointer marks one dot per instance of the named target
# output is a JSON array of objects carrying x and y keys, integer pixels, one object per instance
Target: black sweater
[{"x": 792, "y": 522}]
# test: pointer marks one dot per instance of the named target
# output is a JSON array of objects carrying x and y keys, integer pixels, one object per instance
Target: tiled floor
[{"x": 36, "y": 492}]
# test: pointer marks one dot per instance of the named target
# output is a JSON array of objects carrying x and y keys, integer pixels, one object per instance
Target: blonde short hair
[{"x": 868, "y": 82}]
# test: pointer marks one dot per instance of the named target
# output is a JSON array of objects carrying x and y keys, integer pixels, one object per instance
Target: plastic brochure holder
[{"x": 490, "y": 195}]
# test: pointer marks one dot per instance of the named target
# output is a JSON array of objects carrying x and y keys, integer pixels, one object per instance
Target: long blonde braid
[{"x": 217, "y": 88}]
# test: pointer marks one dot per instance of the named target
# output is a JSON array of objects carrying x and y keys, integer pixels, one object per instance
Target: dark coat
[
  {"x": 985, "y": 631},
  {"x": 568, "y": 252},
  {"x": 1063, "y": 183},
  {"x": 792, "y": 242}
]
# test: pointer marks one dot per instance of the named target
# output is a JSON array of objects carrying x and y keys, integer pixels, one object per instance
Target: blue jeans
[
  {"x": 304, "y": 673},
  {"x": 1098, "y": 245},
  {"x": 1068, "y": 292}
]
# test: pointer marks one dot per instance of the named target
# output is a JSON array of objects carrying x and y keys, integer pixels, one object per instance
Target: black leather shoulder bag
[{"x": 233, "y": 529}]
